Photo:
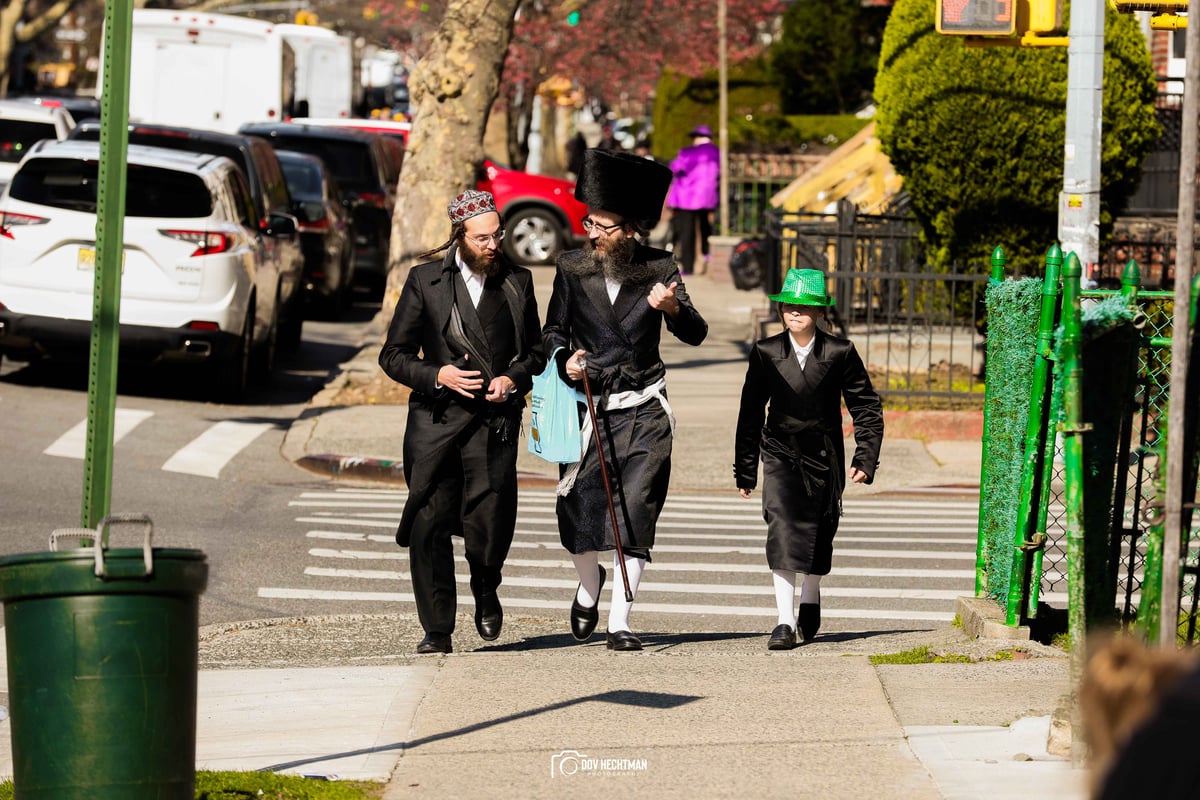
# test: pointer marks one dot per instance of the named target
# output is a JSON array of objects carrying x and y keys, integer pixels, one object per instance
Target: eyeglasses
[
  {"x": 482, "y": 241},
  {"x": 589, "y": 224}
]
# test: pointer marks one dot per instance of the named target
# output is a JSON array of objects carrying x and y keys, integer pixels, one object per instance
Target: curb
[{"x": 388, "y": 470}]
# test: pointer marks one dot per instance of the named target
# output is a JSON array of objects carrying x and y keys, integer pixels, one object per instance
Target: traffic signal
[
  {"x": 999, "y": 17},
  {"x": 573, "y": 18}
]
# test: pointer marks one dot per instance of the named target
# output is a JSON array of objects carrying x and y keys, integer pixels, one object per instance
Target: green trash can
[{"x": 102, "y": 662}]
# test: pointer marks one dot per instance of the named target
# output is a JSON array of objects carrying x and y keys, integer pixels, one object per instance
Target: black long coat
[
  {"x": 622, "y": 341},
  {"x": 801, "y": 444},
  {"x": 417, "y": 346}
]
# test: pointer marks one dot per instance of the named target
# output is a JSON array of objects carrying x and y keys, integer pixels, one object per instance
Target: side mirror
[{"x": 281, "y": 226}]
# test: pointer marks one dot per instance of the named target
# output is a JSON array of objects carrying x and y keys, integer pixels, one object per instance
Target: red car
[{"x": 541, "y": 215}]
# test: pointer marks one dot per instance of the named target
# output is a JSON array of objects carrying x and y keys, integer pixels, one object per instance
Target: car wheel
[
  {"x": 533, "y": 237},
  {"x": 291, "y": 324},
  {"x": 264, "y": 353},
  {"x": 233, "y": 374}
]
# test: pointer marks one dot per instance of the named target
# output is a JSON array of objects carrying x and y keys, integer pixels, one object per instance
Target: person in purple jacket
[{"x": 694, "y": 197}]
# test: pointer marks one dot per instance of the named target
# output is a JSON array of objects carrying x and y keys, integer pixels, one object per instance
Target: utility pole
[
  {"x": 723, "y": 112},
  {"x": 1079, "y": 201},
  {"x": 1180, "y": 338}
]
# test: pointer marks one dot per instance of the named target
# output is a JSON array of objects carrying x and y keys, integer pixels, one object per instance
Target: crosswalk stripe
[
  {"x": 663, "y": 566},
  {"x": 841, "y": 539},
  {"x": 209, "y": 452},
  {"x": 73, "y": 443},
  {"x": 763, "y": 588},
  {"x": 664, "y": 523},
  {"x": 644, "y": 607}
]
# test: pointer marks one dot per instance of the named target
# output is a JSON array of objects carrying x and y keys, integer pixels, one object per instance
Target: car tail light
[
  {"x": 377, "y": 199},
  {"x": 202, "y": 325},
  {"x": 207, "y": 242},
  {"x": 9, "y": 220},
  {"x": 319, "y": 226}
]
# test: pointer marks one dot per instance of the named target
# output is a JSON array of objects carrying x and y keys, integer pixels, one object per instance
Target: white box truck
[
  {"x": 324, "y": 71},
  {"x": 210, "y": 71}
]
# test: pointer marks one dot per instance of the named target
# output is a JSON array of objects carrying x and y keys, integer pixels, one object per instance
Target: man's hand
[
  {"x": 500, "y": 388},
  {"x": 857, "y": 475},
  {"x": 746, "y": 493},
  {"x": 662, "y": 298},
  {"x": 463, "y": 381},
  {"x": 574, "y": 369}
]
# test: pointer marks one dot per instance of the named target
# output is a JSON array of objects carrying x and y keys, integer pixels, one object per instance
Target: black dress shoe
[
  {"x": 435, "y": 643},
  {"x": 583, "y": 619},
  {"x": 782, "y": 638},
  {"x": 489, "y": 616},
  {"x": 809, "y": 620},
  {"x": 622, "y": 640}
]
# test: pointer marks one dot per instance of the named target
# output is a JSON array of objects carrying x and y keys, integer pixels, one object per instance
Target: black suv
[
  {"x": 264, "y": 175},
  {"x": 365, "y": 173}
]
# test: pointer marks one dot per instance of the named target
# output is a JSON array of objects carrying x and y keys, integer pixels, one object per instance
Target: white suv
[
  {"x": 21, "y": 125},
  {"x": 193, "y": 255}
]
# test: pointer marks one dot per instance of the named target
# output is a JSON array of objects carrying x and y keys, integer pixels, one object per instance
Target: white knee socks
[
  {"x": 785, "y": 596},
  {"x": 618, "y": 612},
  {"x": 588, "y": 566},
  {"x": 810, "y": 592}
]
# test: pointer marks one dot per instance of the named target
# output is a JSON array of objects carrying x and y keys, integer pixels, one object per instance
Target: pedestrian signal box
[
  {"x": 1000, "y": 17},
  {"x": 977, "y": 17}
]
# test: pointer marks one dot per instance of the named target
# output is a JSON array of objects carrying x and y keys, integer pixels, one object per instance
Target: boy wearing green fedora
[{"x": 791, "y": 419}]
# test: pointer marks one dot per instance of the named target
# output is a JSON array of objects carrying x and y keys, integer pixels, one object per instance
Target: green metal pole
[
  {"x": 1045, "y": 465},
  {"x": 1024, "y": 537},
  {"x": 110, "y": 236},
  {"x": 1073, "y": 429},
  {"x": 981, "y": 539}
]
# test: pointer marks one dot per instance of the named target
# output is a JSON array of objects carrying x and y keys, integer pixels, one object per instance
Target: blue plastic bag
[{"x": 554, "y": 417}]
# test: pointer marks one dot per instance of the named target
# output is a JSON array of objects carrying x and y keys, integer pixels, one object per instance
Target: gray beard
[{"x": 617, "y": 263}]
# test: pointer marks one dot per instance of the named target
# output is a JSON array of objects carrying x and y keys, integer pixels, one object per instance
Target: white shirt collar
[{"x": 473, "y": 280}]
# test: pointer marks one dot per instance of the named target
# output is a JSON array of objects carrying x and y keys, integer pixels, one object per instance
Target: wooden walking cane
[{"x": 612, "y": 509}]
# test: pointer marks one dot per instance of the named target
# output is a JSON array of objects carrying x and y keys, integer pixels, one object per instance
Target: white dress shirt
[
  {"x": 474, "y": 281},
  {"x": 803, "y": 351}
]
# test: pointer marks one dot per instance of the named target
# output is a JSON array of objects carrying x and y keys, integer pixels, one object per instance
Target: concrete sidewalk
[{"x": 537, "y": 715}]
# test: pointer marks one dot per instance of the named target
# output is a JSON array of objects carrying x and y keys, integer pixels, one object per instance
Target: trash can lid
[{"x": 175, "y": 571}]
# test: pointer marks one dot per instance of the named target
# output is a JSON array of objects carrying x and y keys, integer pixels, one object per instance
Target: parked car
[
  {"x": 541, "y": 215},
  {"x": 272, "y": 200},
  {"x": 22, "y": 124},
  {"x": 80, "y": 107},
  {"x": 399, "y": 130},
  {"x": 191, "y": 264},
  {"x": 364, "y": 173},
  {"x": 326, "y": 231}
]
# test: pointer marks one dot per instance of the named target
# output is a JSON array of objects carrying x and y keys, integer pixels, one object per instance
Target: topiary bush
[{"x": 978, "y": 133}]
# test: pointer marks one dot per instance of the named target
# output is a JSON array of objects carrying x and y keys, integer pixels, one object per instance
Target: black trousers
[
  {"x": 684, "y": 226},
  {"x": 466, "y": 503}
]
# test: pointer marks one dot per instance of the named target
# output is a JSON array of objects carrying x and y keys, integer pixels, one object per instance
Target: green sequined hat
[{"x": 803, "y": 287}]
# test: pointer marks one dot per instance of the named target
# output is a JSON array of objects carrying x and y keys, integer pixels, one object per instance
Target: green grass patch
[
  {"x": 266, "y": 786},
  {"x": 922, "y": 655}
]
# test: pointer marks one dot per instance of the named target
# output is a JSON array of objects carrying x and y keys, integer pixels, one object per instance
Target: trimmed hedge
[{"x": 978, "y": 133}]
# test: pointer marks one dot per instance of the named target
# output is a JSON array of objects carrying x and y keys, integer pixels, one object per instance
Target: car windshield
[
  {"x": 172, "y": 141},
  {"x": 150, "y": 191},
  {"x": 303, "y": 180},
  {"x": 348, "y": 162},
  {"x": 17, "y": 136}
]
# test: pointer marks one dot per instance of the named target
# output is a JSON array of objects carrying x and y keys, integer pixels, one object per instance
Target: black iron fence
[{"x": 919, "y": 332}]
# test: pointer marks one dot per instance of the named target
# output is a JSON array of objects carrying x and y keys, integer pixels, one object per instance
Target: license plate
[{"x": 87, "y": 259}]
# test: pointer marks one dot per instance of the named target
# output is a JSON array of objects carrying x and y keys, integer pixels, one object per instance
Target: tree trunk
[
  {"x": 551, "y": 164},
  {"x": 10, "y": 15},
  {"x": 453, "y": 88}
]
